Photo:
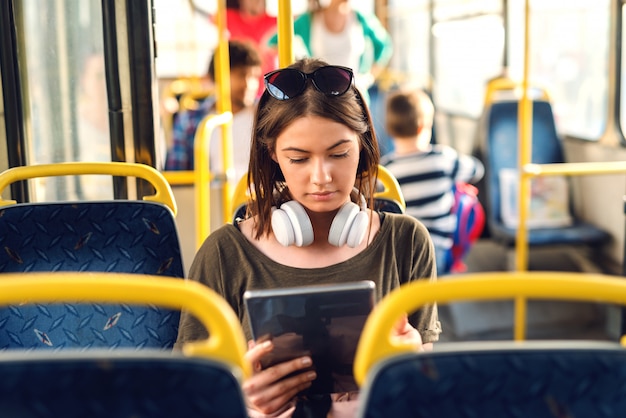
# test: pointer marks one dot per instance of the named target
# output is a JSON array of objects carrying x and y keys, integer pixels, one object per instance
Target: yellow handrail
[
  {"x": 203, "y": 175},
  {"x": 226, "y": 341},
  {"x": 569, "y": 169},
  {"x": 163, "y": 193},
  {"x": 507, "y": 84},
  {"x": 376, "y": 342},
  {"x": 575, "y": 169}
]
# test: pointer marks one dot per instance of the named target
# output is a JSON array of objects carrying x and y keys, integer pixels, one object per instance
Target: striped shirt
[{"x": 426, "y": 180}]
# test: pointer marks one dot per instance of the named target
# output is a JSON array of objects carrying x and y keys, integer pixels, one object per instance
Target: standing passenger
[
  {"x": 426, "y": 173},
  {"x": 331, "y": 30},
  {"x": 314, "y": 150}
]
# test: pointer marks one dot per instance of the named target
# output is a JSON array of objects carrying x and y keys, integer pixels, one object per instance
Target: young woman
[{"x": 313, "y": 153}]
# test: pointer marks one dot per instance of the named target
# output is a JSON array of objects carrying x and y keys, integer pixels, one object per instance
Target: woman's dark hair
[{"x": 274, "y": 116}]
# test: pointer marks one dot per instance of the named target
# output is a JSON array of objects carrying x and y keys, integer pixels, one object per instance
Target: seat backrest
[
  {"x": 106, "y": 236},
  {"x": 204, "y": 380},
  {"x": 390, "y": 198},
  {"x": 491, "y": 379},
  {"x": 501, "y": 379},
  {"x": 501, "y": 146},
  {"x": 125, "y": 385}
]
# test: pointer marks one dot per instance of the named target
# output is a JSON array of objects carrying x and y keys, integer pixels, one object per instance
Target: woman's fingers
[
  {"x": 405, "y": 332},
  {"x": 256, "y": 351},
  {"x": 271, "y": 389}
]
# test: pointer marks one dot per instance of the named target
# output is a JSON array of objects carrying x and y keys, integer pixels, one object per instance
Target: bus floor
[{"x": 493, "y": 320}]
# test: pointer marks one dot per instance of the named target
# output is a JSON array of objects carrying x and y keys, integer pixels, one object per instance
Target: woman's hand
[
  {"x": 404, "y": 332},
  {"x": 266, "y": 391}
]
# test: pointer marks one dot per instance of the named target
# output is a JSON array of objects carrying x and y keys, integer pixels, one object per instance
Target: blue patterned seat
[
  {"x": 98, "y": 385},
  {"x": 501, "y": 380},
  {"x": 130, "y": 236},
  {"x": 203, "y": 379},
  {"x": 109, "y": 236}
]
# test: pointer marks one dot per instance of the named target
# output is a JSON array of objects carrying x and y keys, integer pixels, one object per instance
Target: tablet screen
[{"x": 322, "y": 321}]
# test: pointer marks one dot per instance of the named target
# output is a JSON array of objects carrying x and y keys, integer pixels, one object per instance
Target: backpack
[{"x": 470, "y": 224}]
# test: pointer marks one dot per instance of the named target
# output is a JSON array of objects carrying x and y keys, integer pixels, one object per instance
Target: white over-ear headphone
[{"x": 292, "y": 226}]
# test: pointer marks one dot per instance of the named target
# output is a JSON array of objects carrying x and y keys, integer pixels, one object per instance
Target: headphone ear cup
[
  {"x": 343, "y": 230},
  {"x": 291, "y": 225},
  {"x": 282, "y": 228},
  {"x": 358, "y": 229}
]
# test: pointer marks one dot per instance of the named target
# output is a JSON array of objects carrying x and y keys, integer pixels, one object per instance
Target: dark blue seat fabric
[
  {"x": 86, "y": 384},
  {"x": 569, "y": 381},
  {"x": 111, "y": 236},
  {"x": 387, "y": 205},
  {"x": 501, "y": 151}
]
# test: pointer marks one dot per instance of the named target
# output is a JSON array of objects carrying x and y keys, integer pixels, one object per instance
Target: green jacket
[{"x": 378, "y": 47}]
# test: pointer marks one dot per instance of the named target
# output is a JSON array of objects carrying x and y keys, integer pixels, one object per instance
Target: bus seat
[
  {"x": 499, "y": 380},
  {"x": 388, "y": 198},
  {"x": 536, "y": 378},
  {"x": 500, "y": 152},
  {"x": 129, "y": 236},
  {"x": 505, "y": 88},
  {"x": 201, "y": 380}
]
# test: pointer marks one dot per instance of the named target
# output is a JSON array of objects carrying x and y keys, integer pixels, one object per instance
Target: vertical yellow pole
[
  {"x": 222, "y": 72},
  {"x": 202, "y": 182},
  {"x": 284, "y": 21},
  {"x": 202, "y": 174},
  {"x": 524, "y": 157}
]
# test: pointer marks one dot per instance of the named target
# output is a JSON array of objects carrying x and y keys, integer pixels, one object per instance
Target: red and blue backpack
[{"x": 470, "y": 224}]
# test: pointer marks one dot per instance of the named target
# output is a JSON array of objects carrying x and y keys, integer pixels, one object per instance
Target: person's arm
[
  {"x": 470, "y": 169},
  {"x": 423, "y": 267},
  {"x": 180, "y": 154},
  {"x": 380, "y": 39}
]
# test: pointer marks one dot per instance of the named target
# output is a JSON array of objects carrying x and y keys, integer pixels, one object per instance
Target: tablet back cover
[{"x": 322, "y": 321}]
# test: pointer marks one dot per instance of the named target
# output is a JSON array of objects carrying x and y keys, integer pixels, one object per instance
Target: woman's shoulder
[
  {"x": 402, "y": 223},
  {"x": 227, "y": 235}
]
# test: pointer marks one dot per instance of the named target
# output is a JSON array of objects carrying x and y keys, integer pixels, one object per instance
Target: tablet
[{"x": 322, "y": 321}]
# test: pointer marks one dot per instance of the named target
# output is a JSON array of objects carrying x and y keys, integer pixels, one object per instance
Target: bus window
[
  {"x": 622, "y": 98},
  {"x": 467, "y": 54},
  {"x": 569, "y": 57},
  {"x": 65, "y": 101},
  {"x": 409, "y": 26}
]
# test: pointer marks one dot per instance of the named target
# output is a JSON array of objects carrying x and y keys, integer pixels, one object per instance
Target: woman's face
[{"x": 319, "y": 159}]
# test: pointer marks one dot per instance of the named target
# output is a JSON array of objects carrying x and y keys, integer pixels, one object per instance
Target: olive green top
[{"x": 229, "y": 264}]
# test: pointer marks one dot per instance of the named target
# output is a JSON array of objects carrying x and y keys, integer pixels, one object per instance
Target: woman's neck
[{"x": 336, "y": 16}]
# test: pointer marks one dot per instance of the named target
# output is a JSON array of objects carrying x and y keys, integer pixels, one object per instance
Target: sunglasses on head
[{"x": 287, "y": 83}]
